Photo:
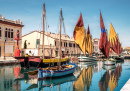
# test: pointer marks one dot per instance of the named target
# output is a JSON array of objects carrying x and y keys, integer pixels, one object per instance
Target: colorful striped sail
[
  {"x": 114, "y": 42},
  {"x": 103, "y": 44}
]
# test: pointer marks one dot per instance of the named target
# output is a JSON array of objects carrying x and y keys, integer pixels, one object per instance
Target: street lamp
[{"x": 4, "y": 49}]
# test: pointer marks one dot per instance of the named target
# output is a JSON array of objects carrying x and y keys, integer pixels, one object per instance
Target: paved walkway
[
  {"x": 8, "y": 60},
  {"x": 126, "y": 87}
]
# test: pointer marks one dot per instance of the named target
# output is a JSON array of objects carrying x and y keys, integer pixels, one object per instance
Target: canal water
[{"x": 92, "y": 76}]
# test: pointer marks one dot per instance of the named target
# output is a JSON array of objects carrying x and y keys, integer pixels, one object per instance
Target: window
[
  {"x": 9, "y": 33},
  {"x": 37, "y": 42},
  {"x": 73, "y": 45},
  {"x": 6, "y": 32},
  {"x": 66, "y": 44},
  {"x": 12, "y": 34},
  {"x": 55, "y": 43},
  {"x": 70, "y": 45},
  {"x": 61, "y": 43}
]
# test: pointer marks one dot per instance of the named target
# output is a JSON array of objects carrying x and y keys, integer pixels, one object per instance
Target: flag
[
  {"x": 89, "y": 44},
  {"x": 79, "y": 34},
  {"x": 103, "y": 43},
  {"x": 114, "y": 41}
]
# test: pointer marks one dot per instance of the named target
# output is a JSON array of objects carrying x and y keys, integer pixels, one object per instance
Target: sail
[
  {"x": 103, "y": 44},
  {"x": 89, "y": 43},
  {"x": 79, "y": 34},
  {"x": 114, "y": 42}
]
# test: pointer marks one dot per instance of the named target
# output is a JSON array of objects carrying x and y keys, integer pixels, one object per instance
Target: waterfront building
[
  {"x": 8, "y": 31},
  {"x": 126, "y": 50},
  {"x": 96, "y": 45},
  {"x": 51, "y": 44}
]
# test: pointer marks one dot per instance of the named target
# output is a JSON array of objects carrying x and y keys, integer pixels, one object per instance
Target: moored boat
[
  {"x": 83, "y": 41},
  {"x": 60, "y": 70},
  {"x": 56, "y": 72}
]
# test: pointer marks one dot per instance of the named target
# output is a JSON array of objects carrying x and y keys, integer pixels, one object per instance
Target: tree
[{"x": 25, "y": 44}]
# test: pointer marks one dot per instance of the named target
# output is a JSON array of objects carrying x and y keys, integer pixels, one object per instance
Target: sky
[{"x": 30, "y": 13}]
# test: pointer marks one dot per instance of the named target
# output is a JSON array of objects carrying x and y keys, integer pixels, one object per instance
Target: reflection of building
[
  {"x": 8, "y": 30},
  {"x": 7, "y": 79},
  {"x": 96, "y": 45},
  {"x": 51, "y": 44},
  {"x": 84, "y": 80}
]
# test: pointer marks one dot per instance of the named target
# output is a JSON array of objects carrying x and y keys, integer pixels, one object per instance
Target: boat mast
[
  {"x": 60, "y": 38},
  {"x": 85, "y": 42},
  {"x": 43, "y": 29}
]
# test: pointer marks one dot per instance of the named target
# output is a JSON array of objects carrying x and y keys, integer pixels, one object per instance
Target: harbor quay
[{"x": 12, "y": 60}]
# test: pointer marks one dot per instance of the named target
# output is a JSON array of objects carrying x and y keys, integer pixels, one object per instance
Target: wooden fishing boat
[
  {"x": 60, "y": 70},
  {"x": 115, "y": 44},
  {"x": 56, "y": 71},
  {"x": 104, "y": 44},
  {"x": 36, "y": 61},
  {"x": 84, "y": 42}
]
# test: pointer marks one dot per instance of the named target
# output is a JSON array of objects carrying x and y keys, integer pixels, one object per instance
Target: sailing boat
[
  {"x": 114, "y": 43},
  {"x": 44, "y": 61},
  {"x": 103, "y": 44},
  {"x": 83, "y": 41},
  {"x": 60, "y": 70}
]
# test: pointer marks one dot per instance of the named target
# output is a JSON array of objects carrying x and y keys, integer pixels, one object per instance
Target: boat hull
[
  {"x": 86, "y": 59},
  {"x": 51, "y": 73},
  {"x": 109, "y": 62},
  {"x": 109, "y": 67},
  {"x": 31, "y": 62},
  {"x": 37, "y": 62}
]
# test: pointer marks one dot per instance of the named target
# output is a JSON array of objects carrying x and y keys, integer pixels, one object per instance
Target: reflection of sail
[
  {"x": 84, "y": 80},
  {"x": 114, "y": 77},
  {"x": 103, "y": 83},
  {"x": 110, "y": 78}
]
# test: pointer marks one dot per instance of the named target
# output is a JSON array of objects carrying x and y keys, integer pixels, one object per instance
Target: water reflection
[
  {"x": 110, "y": 77},
  {"x": 84, "y": 80},
  {"x": 7, "y": 76},
  {"x": 88, "y": 76}
]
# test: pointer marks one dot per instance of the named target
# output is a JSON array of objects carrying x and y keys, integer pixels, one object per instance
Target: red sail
[{"x": 103, "y": 44}]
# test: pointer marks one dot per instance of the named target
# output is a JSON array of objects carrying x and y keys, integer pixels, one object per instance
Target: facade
[
  {"x": 96, "y": 45},
  {"x": 8, "y": 31},
  {"x": 51, "y": 44},
  {"x": 126, "y": 50}
]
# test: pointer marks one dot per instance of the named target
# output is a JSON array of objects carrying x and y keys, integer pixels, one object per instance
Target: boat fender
[{"x": 51, "y": 72}]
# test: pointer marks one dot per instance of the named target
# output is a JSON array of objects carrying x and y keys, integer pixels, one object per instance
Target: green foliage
[{"x": 25, "y": 44}]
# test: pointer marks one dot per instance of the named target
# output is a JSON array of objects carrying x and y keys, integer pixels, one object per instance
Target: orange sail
[
  {"x": 114, "y": 41},
  {"x": 89, "y": 44},
  {"x": 79, "y": 34}
]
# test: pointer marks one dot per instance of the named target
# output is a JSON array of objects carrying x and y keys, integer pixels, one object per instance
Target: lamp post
[{"x": 4, "y": 49}]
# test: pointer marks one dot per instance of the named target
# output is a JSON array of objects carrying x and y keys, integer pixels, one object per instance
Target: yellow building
[
  {"x": 51, "y": 44},
  {"x": 8, "y": 31}
]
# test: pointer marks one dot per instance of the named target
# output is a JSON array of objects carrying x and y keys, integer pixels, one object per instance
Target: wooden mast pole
[
  {"x": 43, "y": 29},
  {"x": 60, "y": 39}
]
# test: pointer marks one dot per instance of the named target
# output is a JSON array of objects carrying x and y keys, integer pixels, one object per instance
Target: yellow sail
[{"x": 114, "y": 41}]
